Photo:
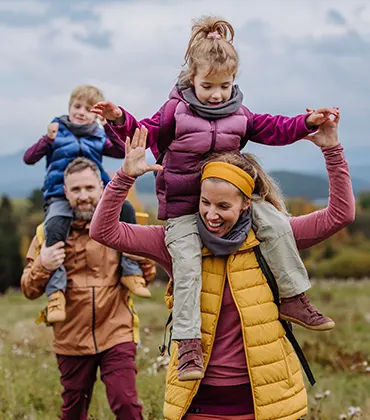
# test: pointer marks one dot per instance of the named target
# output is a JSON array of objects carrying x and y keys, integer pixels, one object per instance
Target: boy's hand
[
  {"x": 319, "y": 116},
  {"x": 52, "y": 130},
  {"x": 109, "y": 111}
]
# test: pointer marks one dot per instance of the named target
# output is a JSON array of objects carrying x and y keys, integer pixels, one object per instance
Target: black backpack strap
[
  {"x": 166, "y": 345},
  {"x": 249, "y": 131},
  {"x": 287, "y": 326}
]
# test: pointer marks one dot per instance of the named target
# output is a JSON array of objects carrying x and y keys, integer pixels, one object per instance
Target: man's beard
[{"x": 84, "y": 215}]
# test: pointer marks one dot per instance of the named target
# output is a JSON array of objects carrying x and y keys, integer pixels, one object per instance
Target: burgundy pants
[{"x": 117, "y": 371}]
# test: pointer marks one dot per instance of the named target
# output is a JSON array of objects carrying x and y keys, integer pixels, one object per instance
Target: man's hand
[
  {"x": 109, "y": 111},
  {"x": 52, "y": 257},
  {"x": 319, "y": 116},
  {"x": 149, "y": 269},
  {"x": 52, "y": 130}
]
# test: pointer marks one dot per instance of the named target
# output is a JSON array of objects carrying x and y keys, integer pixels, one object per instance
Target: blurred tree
[
  {"x": 364, "y": 200},
  {"x": 10, "y": 259},
  {"x": 36, "y": 200},
  {"x": 299, "y": 206}
]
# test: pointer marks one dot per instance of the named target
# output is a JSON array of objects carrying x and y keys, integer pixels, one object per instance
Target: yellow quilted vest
[{"x": 274, "y": 369}]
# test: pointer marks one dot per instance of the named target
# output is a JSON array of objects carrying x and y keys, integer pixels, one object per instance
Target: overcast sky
[{"x": 294, "y": 53}]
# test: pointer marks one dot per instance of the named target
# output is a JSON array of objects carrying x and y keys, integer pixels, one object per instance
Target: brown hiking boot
[
  {"x": 136, "y": 285},
  {"x": 190, "y": 356},
  {"x": 299, "y": 310},
  {"x": 56, "y": 309}
]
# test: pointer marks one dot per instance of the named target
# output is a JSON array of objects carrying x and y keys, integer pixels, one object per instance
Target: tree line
[{"x": 345, "y": 255}]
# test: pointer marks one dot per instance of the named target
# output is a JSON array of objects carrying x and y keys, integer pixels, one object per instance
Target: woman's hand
[
  {"x": 135, "y": 164},
  {"x": 319, "y": 116},
  {"x": 109, "y": 111},
  {"x": 327, "y": 133}
]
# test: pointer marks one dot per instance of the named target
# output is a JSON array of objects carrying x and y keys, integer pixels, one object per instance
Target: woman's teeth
[{"x": 214, "y": 225}]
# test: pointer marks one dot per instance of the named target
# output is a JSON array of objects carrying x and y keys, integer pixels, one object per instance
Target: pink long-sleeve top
[{"x": 227, "y": 365}]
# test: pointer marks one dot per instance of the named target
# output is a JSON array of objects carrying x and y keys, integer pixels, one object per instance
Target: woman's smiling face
[{"x": 221, "y": 205}]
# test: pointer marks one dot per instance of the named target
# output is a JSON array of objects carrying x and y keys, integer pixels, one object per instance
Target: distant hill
[
  {"x": 17, "y": 179},
  {"x": 311, "y": 187}
]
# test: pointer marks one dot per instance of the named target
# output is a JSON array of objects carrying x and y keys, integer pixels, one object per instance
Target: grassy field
[{"x": 29, "y": 381}]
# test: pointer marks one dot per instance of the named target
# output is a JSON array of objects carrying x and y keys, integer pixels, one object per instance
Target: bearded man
[{"x": 98, "y": 330}]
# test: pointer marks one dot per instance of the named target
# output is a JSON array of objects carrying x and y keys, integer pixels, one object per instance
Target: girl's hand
[
  {"x": 135, "y": 164},
  {"x": 319, "y": 116},
  {"x": 327, "y": 133},
  {"x": 109, "y": 111}
]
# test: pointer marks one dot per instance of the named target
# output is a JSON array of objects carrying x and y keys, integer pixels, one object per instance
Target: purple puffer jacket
[{"x": 178, "y": 184}]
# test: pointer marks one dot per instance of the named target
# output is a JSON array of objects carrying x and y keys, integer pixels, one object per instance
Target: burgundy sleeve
[
  {"x": 310, "y": 229},
  {"x": 113, "y": 146},
  {"x": 145, "y": 241},
  {"x": 37, "y": 151},
  {"x": 131, "y": 124},
  {"x": 278, "y": 130}
]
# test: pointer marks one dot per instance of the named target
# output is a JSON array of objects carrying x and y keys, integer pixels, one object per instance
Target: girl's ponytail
[
  {"x": 209, "y": 27},
  {"x": 210, "y": 46}
]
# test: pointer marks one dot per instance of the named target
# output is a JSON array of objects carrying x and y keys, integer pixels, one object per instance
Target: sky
[{"x": 294, "y": 54}]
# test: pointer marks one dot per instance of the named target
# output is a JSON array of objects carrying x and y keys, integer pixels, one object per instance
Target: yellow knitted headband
[{"x": 230, "y": 173}]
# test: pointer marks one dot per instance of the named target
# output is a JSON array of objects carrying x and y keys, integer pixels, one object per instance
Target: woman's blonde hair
[
  {"x": 266, "y": 188},
  {"x": 210, "y": 46},
  {"x": 88, "y": 93}
]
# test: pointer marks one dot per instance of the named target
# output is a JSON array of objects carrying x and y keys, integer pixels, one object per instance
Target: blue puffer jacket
[{"x": 65, "y": 148}]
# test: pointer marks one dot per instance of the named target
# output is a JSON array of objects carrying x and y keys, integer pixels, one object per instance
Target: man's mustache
[{"x": 79, "y": 202}]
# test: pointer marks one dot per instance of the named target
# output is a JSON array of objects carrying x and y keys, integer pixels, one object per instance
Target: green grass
[{"x": 29, "y": 379}]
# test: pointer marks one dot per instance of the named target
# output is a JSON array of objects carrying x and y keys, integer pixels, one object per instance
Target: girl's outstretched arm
[{"x": 122, "y": 124}]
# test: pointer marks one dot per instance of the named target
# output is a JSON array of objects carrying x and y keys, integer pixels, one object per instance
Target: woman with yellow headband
[{"x": 251, "y": 368}]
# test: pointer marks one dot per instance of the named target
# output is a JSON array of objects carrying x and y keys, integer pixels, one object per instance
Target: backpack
[{"x": 167, "y": 127}]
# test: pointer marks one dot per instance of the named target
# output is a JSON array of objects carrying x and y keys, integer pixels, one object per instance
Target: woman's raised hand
[
  {"x": 135, "y": 164},
  {"x": 327, "y": 133},
  {"x": 107, "y": 110}
]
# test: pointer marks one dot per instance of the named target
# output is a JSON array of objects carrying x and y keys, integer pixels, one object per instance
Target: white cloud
[
  {"x": 282, "y": 69},
  {"x": 30, "y": 7}
]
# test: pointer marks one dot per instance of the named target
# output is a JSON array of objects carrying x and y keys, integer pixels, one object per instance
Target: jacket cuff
[
  {"x": 47, "y": 140},
  {"x": 39, "y": 272},
  {"x": 309, "y": 130},
  {"x": 123, "y": 178},
  {"x": 111, "y": 123},
  {"x": 333, "y": 155}
]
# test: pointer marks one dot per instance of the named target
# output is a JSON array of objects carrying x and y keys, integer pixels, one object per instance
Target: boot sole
[
  {"x": 53, "y": 321},
  {"x": 191, "y": 376},
  {"x": 142, "y": 296},
  {"x": 324, "y": 327}
]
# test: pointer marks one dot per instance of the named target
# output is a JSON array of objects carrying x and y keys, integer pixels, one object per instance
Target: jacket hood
[{"x": 176, "y": 94}]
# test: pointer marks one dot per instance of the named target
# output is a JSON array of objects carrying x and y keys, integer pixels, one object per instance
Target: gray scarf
[
  {"x": 79, "y": 130},
  {"x": 232, "y": 241},
  {"x": 217, "y": 111}
]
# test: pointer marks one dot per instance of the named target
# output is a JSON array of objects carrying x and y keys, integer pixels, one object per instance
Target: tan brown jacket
[{"x": 98, "y": 313}]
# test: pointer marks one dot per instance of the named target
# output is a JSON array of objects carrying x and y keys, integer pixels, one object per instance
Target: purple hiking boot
[
  {"x": 190, "y": 356},
  {"x": 299, "y": 310}
]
